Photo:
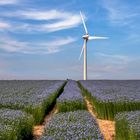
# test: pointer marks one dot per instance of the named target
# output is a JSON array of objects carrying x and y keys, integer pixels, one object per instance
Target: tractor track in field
[
  {"x": 38, "y": 130},
  {"x": 107, "y": 127}
]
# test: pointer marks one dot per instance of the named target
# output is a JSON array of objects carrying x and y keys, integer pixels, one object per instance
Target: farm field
[
  {"x": 24, "y": 104},
  {"x": 69, "y": 70},
  {"x": 72, "y": 125},
  {"x": 110, "y": 97},
  {"x": 71, "y": 99},
  {"x": 33, "y": 97},
  {"x": 129, "y": 123}
]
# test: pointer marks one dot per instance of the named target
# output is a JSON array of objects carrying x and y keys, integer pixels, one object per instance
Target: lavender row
[
  {"x": 110, "y": 97},
  {"x": 129, "y": 124},
  {"x": 34, "y": 97},
  {"x": 77, "y": 125},
  {"x": 22, "y": 93},
  {"x": 71, "y": 99},
  {"x": 15, "y": 124}
]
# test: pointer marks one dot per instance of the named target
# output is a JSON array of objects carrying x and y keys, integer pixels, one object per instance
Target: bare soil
[
  {"x": 38, "y": 130},
  {"x": 107, "y": 127}
]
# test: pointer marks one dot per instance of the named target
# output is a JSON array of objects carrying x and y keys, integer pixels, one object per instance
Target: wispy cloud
[
  {"x": 60, "y": 20},
  {"x": 35, "y": 14},
  {"x": 119, "y": 12},
  {"x": 115, "y": 59},
  {"x": 70, "y": 22},
  {"x": 113, "y": 63},
  {"x": 107, "y": 66},
  {"x": 4, "y": 25},
  {"x": 11, "y": 45},
  {"x": 5, "y": 2}
]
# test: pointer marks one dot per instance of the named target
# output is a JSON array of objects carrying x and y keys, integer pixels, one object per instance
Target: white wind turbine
[{"x": 87, "y": 37}]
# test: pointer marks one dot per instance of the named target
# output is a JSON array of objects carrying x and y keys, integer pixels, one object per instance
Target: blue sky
[{"x": 42, "y": 39}]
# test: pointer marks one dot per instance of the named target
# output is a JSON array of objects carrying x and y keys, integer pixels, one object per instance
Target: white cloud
[
  {"x": 70, "y": 22},
  {"x": 11, "y": 45},
  {"x": 4, "y": 25},
  {"x": 5, "y": 2},
  {"x": 60, "y": 20},
  {"x": 53, "y": 46},
  {"x": 42, "y": 15},
  {"x": 57, "y": 42}
]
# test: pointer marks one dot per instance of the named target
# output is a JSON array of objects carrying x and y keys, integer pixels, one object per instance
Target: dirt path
[
  {"x": 107, "y": 127},
  {"x": 38, "y": 130}
]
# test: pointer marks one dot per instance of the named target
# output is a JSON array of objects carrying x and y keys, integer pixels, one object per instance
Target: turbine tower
[{"x": 87, "y": 37}]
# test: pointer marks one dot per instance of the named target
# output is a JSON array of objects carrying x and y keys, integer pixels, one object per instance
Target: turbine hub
[{"x": 86, "y": 36}]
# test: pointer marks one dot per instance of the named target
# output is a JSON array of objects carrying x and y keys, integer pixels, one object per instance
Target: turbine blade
[
  {"x": 97, "y": 37},
  {"x": 84, "y": 22},
  {"x": 82, "y": 50}
]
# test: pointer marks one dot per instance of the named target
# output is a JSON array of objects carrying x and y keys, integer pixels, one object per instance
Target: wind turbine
[{"x": 87, "y": 37}]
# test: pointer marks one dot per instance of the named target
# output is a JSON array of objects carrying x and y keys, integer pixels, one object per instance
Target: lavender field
[
  {"x": 24, "y": 104},
  {"x": 72, "y": 126},
  {"x": 110, "y": 97},
  {"x": 71, "y": 99},
  {"x": 129, "y": 122}
]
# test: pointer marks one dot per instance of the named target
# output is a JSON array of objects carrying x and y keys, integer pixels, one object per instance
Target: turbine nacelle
[{"x": 85, "y": 36}]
